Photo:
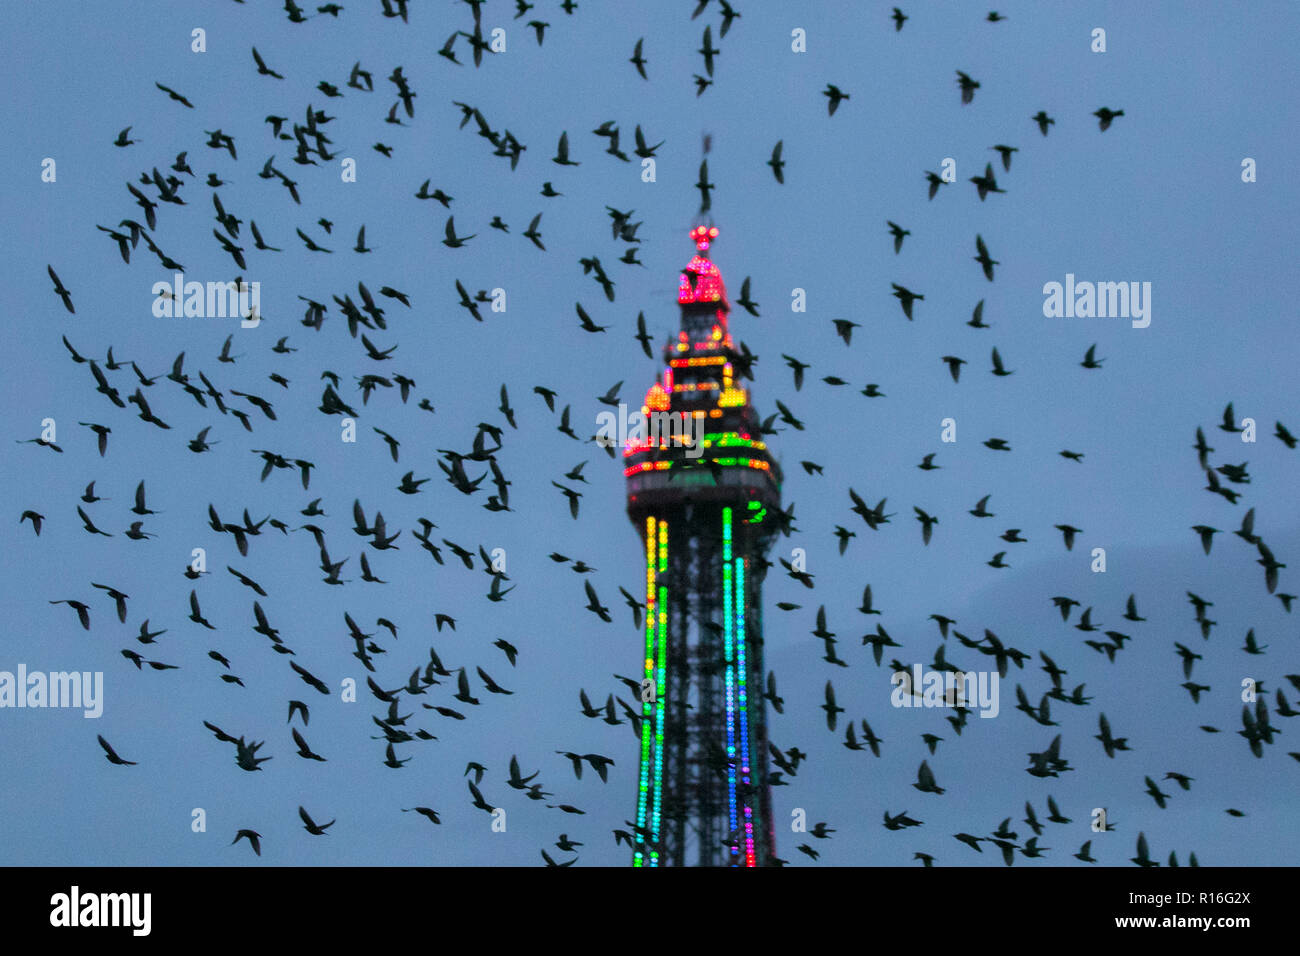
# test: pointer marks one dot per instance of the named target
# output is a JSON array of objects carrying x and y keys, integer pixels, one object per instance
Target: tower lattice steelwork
[{"x": 705, "y": 495}]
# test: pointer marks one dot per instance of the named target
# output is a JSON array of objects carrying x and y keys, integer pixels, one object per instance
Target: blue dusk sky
[{"x": 1157, "y": 198}]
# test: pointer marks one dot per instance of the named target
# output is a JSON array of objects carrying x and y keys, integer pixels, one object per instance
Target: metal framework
[{"x": 705, "y": 494}]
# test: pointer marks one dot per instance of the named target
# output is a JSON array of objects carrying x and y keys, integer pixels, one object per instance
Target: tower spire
[
  {"x": 704, "y": 186},
  {"x": 702, "y": 296}
]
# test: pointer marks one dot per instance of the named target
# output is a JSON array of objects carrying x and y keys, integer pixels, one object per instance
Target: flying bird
[
  {"x": 262, "y": 68},
  {"x": 254, "y": 840},
  {"x": 832, "y": 709},
  {"x": 898, "y": 232},
  {"x": 111, "y": 755},
  {"x": 777, "y": 163},
  {"x": 453, "y": 241},
  {"x": 983, "y": 258},
  {"x": 1005, "y": 152},
  {"x": 834, "y": 95},
  {"x": 744, "y": 300},
  {"x": 636, "y": 59},
  {"x": 174, "y": 96},
  {"x": 968, "y": 87},
  {"x": 1104, "y": 117},
  {"x": 925, "y": 780},
  {"x": 594, "y": 605},
  {"x": 906, "y": 297},
  {"x": 311, "y": 826},
  {"x": 561, "y": 156},
  {"x": 60, "y": 291}
]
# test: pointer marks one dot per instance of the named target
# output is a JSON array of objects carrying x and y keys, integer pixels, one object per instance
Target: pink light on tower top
[
  {"x": 701, "y": 281},
  {"x": 702, "y": 236}
]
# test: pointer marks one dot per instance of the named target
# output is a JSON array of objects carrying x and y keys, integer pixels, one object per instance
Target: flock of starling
[{"x": 417, "y": 697}]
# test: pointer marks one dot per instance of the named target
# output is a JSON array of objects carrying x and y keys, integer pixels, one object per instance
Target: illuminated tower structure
[{"x": 706, "y": 514}]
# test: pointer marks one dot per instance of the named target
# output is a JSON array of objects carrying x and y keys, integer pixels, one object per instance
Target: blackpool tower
[{"x": 704, "y": 493}]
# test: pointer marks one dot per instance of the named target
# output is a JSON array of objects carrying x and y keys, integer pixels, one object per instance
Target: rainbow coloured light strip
[
  {"x": 697, "y": 362},
  {"x": 742, "y": 667},
  {"x": 724, "y": 462},
  {"x": 711, "y": 440},
  {"x": 729, "y": 660},
  {"x": 647, "y": 724},
  {"x": 734, "y": 605},
  {"x": 661, "y": 684},
  {"x": 649, "y": 803}
]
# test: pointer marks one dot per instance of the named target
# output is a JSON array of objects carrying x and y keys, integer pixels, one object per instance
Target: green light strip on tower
[
  {"x": 661, "y": 689},
  {"x": 647, "y": 725},
  {"x": 728, "y": 656},
  {"x": 746, "y": 770}
]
